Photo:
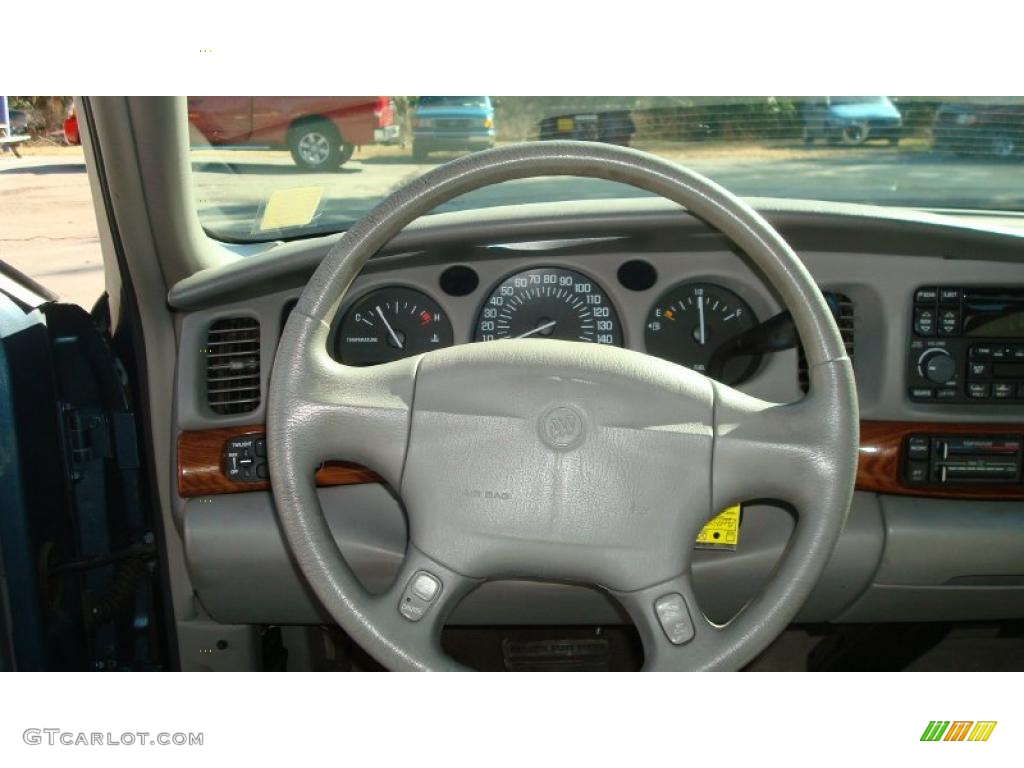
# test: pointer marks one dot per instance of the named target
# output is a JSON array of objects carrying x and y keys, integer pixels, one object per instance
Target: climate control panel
[{"x": 962, "y": 459}]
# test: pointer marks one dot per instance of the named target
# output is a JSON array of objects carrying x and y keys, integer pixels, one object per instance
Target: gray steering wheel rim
[{"x": 828, "y": 415}]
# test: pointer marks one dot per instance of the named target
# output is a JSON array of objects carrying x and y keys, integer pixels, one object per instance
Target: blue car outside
[
  {"x": 445, "y": 123},
  {"x": 852, "y": 119}
]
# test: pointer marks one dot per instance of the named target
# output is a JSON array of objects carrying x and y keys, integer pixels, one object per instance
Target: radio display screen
[
  {"x": 994, "y": 322},
  {"x": 1008, "y": 370}
]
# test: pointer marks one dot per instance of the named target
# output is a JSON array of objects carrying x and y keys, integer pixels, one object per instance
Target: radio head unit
[{"x": 967, "y": 345}]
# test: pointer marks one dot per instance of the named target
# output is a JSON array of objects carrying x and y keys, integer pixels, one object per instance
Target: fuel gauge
[{"x": 692, "y": 320}]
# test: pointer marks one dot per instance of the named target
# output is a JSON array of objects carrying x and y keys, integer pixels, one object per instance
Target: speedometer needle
[
  {"x": 391, "y": 330},
  {"x": 538, "y": 329}
]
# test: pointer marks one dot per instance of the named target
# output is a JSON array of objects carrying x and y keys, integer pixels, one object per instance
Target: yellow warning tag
[
  {"x": 291, "y": 207},
  {"x": 721, "y": 532}
]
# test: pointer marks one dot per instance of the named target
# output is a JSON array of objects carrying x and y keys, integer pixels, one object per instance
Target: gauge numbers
[{"x": 549, "y": 303}]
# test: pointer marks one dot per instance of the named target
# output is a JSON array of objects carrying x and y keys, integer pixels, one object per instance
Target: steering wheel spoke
[
  {"x": 418, "y": 603},
  {"x": 674, "y": 631},
  {"x": 786, "y": 452},
  {"x": 347, "y": 413}
]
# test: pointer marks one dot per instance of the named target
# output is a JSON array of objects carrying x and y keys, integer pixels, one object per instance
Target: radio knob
[{"x": 937, "y": 366}]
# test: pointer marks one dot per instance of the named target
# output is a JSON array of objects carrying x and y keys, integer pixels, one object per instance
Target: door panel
[{"x": 82, "y": 588}]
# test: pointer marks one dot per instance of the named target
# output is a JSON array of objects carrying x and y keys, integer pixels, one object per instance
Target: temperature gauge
[{"x": 389, "y": 324}]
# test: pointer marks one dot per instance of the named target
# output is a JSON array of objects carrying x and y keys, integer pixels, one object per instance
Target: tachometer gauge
[
  {"x": 549, "y": 303},
  {"x": 690, "y": 321},
  {"x": 389, "y": 324}
]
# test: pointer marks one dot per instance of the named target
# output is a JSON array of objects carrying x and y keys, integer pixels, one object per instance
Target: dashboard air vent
[
  {"x": 842, "y": 309},
  {"x": 233, "y": 365}
]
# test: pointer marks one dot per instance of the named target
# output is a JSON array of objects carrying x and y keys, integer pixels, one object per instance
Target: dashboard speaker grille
[
  {"x": 233, "y": 365},
  {"x": 842, "y": 308}
]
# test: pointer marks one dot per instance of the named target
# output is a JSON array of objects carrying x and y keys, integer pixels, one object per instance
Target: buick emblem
[{"x": 562, "y": 427}]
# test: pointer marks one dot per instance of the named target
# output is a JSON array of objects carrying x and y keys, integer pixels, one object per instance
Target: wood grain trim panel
[
  {"x": 200, "y": 472},
  {"x": 879, "y": 468}
]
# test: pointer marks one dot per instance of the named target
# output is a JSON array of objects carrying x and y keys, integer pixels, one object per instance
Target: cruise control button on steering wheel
[
  {"x": 419, "y": 595},
  {"x": 674, "y": 618}
]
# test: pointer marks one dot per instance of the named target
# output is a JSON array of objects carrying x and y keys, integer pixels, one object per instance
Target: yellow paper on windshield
[
  {"x": 721, "y": 532},
  {"x": 291, "y": 207}
]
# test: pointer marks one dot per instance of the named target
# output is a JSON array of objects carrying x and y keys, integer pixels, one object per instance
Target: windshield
[{"x": 270, "y": 168}]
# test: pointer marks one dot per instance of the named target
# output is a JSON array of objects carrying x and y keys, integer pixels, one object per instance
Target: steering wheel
[{"x": 554, "y": 460}]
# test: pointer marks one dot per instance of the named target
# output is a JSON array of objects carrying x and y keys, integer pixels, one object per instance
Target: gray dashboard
[{"x": 885, "y": 567}]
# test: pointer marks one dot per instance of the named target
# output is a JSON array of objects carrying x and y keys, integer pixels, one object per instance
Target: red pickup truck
[{"x": 320, "y": 131}]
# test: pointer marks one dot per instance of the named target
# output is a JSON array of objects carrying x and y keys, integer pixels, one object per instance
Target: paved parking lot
[
  {"x": 47, "y": 223},
  {"x": 48, "y": 229}
]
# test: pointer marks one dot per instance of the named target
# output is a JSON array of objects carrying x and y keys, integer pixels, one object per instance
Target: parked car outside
[
  {"x": 609, "y": 127},
  {"x": 441, "y": 123},
  {"x": 14, "y": 131},
  {"x": 996, "y": 130},
  {"x": 18, "y": 122},
  {"x": 321, "y": 132},
  {"x": 851, "y": 120}
]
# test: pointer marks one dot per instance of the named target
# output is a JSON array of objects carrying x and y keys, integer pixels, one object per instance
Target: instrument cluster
[{"x": 701, "y": 325}]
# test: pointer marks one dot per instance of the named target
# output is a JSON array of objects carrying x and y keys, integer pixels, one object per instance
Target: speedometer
[{"x": 549, "y": 303}]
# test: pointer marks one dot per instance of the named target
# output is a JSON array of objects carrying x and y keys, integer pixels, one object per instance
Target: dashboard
[{"x": 936, "y": 529}]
